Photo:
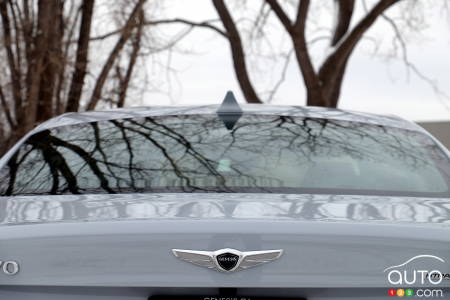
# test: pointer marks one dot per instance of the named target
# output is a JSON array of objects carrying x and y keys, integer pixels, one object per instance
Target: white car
[{"x": 230, "y": 202}]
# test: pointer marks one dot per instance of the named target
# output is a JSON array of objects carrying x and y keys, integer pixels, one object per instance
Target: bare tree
[
  {"x": 322, "y": 80},
  {"x": 323, "y": 84},
  {"x": 47, "y": 49}
]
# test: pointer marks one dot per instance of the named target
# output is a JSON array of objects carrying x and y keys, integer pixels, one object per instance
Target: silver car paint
[
  {"x": 65, "y": 241},
  {"x": 23, "y": 210},
  {"x": 119, "y": 246}
]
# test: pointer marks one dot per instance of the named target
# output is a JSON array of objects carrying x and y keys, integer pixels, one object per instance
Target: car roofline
[{"x": 73, "y": 118}]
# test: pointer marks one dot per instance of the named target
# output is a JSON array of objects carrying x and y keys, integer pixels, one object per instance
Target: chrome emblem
[{"x": 227, "y": 260}]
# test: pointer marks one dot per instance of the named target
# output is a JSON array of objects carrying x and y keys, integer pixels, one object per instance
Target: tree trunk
[
  {"x": 36, "y": 64},
  {"x": 77, "y": 83},
  {"x": 14, "y": 71},
  {"x": 52, "y": 61}
]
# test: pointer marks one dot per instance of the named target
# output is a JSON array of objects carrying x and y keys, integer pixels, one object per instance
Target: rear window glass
[{"x": 198, "y": 153}]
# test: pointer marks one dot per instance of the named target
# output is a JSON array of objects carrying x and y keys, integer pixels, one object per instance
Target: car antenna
[{"x": 229, "y": 111}]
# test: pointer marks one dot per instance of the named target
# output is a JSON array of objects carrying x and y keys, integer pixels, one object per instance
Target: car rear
[{"x": 93, "y": 210}]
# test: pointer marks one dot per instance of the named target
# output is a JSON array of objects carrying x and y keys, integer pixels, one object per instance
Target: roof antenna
[{"x": 229, "y": 111}]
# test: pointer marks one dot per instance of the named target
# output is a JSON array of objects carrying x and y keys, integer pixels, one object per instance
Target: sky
[{"x": 373, "y": 82}]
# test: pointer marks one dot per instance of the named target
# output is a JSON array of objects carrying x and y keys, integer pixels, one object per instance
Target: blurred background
[{"x": 378, "y": 56}]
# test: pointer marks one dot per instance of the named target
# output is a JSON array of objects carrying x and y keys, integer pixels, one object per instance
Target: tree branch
[
  {"x": 348, "y": 43},
  {"x": 313, "y": 85},
  {"x": 282, "y": 16},
  {"x": 332, "y": 70},
  {"x": 132, "y": 61},
  {"x": 125, "y": 35},
  {"x": 282, "y": 76},
  {"x": 204, "y": 24},
  {"x": 302, "y": 12},
  {"x": 344, "y": 16},
  {"x": 409, "y": 65},
  {"x": 237, "y": 51}
]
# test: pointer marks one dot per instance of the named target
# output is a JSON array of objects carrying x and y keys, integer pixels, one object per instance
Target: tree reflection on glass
[{"x": 197, "y": 153}]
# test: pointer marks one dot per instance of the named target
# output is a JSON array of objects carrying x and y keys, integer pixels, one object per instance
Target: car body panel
[
  {"x": 20, "y": 210},
  {"x": 328, "y": 241}
]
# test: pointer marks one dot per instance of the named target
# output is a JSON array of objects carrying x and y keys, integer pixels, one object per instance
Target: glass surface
[{"x": 197, "y": 153}]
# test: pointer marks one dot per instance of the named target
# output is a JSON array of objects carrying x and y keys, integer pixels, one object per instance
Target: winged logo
[{"x": 227, "y": 260}]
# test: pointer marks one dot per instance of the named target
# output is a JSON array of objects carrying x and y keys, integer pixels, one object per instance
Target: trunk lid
[{"x": 127, "y": 240}]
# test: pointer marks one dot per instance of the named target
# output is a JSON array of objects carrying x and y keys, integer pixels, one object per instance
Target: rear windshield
[{"x": 199, "y": 153}]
